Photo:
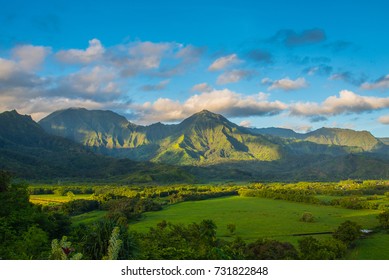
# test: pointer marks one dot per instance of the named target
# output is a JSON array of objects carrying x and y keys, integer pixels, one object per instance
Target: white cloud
[
  {"x": 233, "y": 76},
  {"x": 347, "y": 102},
  {"x": 7, "y": 68},
  {"x": 285, "y": 84},
  {"x": 226, "y": 102},
  {"x": 93, "y": 53},
  {"x": 384, "y": 119},
  {"x": 203, "y": 87},
  {"x": 224, "y": 62},
  {"x": 381, "y": 83},
  {"x": 30, "y": 57},
  {"x": 97, "y": 83}
]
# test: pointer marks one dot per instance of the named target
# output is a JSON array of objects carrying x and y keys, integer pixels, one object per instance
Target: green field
[
  {"x": 375, "y": 247},
  {"x": 258, "y": 217},
  {"x": 88, "y": 218},
  {"x": 52, "y": 199}
]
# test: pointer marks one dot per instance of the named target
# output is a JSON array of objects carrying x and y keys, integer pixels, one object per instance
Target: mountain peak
[{"x": 205, "y": 119}]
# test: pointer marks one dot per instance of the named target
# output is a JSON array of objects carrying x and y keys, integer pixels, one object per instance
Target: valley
[{"x": 204, "y": 188}]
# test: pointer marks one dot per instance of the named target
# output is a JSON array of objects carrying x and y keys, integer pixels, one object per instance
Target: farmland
[
  {"x": 258, "y": 217},
  {"x": 305, "y": 220}
]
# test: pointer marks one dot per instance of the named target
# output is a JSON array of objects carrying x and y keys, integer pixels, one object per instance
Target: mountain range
[{"x": 203, "y": 146}]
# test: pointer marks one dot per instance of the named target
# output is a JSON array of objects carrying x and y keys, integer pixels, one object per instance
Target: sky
[{"x": 294, "y": 64}]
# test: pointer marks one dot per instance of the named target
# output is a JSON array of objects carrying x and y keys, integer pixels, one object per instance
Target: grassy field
[
  {"x": 88, "y": 218},
  {"x": 375, "y": 247},
  {"x": 258, "y": 217},
  {"x": 53, "y": 199}
]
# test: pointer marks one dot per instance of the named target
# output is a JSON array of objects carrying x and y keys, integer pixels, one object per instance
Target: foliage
[
  {"x": 24, "y": 228},
  {"x": 384, "y": 219},
  {"x": 62, "y": 250},
  {"x": 114, "y": 245},
  {"x": 314, "y": 249},
  {"x": 307, "y": 217},
  {"x": 94, "y": 240},
  {"x": 348, "y": 232},
  {"x": 271, "y": 250},
  {"x": 79, "y": 206}
]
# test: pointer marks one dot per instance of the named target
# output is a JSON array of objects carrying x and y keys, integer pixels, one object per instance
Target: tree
[
  {"x": 313, "y": 249},
  {"x": 348, "y": 232},
  {"x": 384, "y": 219},
  {"x": 271, "y": 250},
  {"x": 5, "y": 180}
]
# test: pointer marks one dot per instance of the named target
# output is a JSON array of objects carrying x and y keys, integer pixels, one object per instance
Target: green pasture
[
  {"x": 374, "y": 247},
  {"x": 258, "y": 217}
]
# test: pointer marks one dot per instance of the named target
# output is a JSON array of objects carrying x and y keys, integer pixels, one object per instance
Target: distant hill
[{"x": 356, "y": 141}]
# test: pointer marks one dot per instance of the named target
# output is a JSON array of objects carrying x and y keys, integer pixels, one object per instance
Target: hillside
[
  {"x": 355, "y": 141},
  {"x": 202, "y": 138},
  {"x": 29, "y": 152}
]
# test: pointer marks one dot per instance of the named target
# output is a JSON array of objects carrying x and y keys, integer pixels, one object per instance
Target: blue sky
[{"x": 295, "y": 64}]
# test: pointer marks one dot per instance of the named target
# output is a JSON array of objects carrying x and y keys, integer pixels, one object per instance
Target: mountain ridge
[{"x": 229, "y": 151}]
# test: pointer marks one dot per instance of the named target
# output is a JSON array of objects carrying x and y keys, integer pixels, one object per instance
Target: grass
[
  {"x": 88, "y": 218},
  {"x": 374, "y": 247},
  {"x": 53, "y": 199},
  {"x": 258, "y": 217}
]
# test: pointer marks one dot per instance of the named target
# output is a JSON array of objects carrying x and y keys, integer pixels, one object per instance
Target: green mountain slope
[
  {"x": 29, "y": 152},
  {"x": 344, "y": 137},
  {"x": 355, "y": 141},
  {"x": 208, "y": 138},
  {"x": 201, "y": 139}
]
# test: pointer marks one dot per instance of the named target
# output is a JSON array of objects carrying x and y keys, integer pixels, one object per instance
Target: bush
[{"x": 307, "y": 217}]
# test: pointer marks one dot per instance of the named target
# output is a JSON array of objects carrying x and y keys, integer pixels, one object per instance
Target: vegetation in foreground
[{"x": 101, "y": 226}]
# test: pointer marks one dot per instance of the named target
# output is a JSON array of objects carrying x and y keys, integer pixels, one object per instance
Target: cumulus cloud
[
  {"x": 19, "y": 71},
  {"x": 291, "y": 38},
  {"x": 226, "y": 102},
  {"x": 224, "y": 62},
  {"x": 93, "y": 53},
  {"x": 285, "y": 84},
  {"x": 381, "y": 83},
  {"x": 347, "y": 102},
  {"x": 29, "y": 57},
  {"x": 384, "y": 119},
  {"x": 97, "y": 83},
  {"x": 203, "y": 87},
  {"x": 234, "y": 76}
]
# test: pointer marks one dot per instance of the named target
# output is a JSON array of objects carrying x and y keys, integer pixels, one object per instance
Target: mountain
[
  {"x": 27, "y": 150},
  {"x": 203, "y": 138},
  {"x": 90, "y": 128},
  {"x": 363, "y": 140},
  {"x": 206, "y": 145},
  {"x": 351, "y": 140},
  {"x": 277, "y": 131}
]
